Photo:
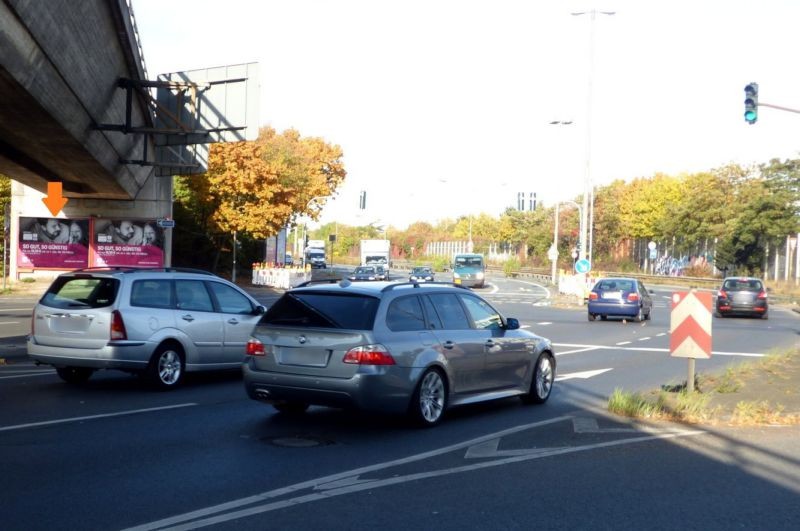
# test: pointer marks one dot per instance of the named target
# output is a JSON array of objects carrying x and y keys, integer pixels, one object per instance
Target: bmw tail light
[
  {"x": 722, "y": 294},
  {"x": 762, "y": 294},
  {"x": 255, "y": 347},
  {"x": 633, "y": 297},
  {"x": 118, "y": 326},
  {"x": 592, "y": 296},
  {"x": 368, "y": 355}
]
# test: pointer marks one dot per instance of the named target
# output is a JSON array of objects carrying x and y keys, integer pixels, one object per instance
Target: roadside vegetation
[{"x": 762, "y": 392}]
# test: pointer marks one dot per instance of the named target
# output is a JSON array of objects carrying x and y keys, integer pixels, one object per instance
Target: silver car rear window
[
  {"x": 323, "y": 310},
  {"x": 81, "y": 292}
]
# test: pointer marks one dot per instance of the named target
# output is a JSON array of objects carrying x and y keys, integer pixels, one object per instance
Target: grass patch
[
  {"x": 757, "y": 413},
  {"x": 750, "y": 393},
  {"x": 664, "y": 405}
]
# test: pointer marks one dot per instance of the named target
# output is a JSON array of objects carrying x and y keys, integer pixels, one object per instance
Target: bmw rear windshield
[
  {"x": 81, "y": 292},
  {"x": 323, "y": 310}
]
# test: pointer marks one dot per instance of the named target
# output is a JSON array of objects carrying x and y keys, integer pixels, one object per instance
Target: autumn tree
[{"x": 257, "y": 188}]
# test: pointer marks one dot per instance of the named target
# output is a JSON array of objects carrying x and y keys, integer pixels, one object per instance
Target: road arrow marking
[
  {"x": 54, "y": 201},
  {"x": 582, "y": 375}
]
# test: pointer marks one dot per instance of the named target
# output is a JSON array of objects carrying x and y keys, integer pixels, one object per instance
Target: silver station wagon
[
  {"x": 394, "y": 347},
  {"x": 158, "y": 323}
]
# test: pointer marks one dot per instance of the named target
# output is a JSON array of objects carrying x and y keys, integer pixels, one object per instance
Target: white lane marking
[
  {"x": 582, "y": 348},
  {"x": 624, "y": 343},
  {"x": 10, "y": 322},
  {"x": 356, "y": 485},
  {"x": 583, "y": 375},
  {"x": 92, "y": 417},
  {"x": 28, "y": 375},
  {"x": 588, "y": 348},
  {"x": 643, "y": 338},
  {"x": 543, "y": 323},
  {"x": 661, "y": 334},
  {"x": 543, "y": 288}
]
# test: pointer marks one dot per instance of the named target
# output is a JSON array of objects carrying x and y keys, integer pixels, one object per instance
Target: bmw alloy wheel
[
  {"x": 542, "y": 382},
  {"x": 430, "y": 399}
]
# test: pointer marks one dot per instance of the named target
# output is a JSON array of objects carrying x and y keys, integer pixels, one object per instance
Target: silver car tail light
[
  {"x": 369, "y": 355},
  {"x": 118, "y": 326}
]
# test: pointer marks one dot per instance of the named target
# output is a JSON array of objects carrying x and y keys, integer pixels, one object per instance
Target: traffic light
[
  {"x": 362, "y": 200},
  {"x": 751, "y": 103}
]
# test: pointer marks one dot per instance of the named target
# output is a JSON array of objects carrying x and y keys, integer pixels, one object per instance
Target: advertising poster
[
  {"x": 55, "y": 243},
  {"x": 128, "y": 242}
]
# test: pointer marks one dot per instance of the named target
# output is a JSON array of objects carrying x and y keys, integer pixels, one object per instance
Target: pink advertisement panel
[
  {"x": 54, "y": 243},
  {"x": 127, "y": 242}
]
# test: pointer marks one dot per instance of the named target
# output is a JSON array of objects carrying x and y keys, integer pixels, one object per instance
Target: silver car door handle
[
  {"x": 233, "y": 320},
  {"x": 187, "y": 317},
  {"x": 449, "y": 344},
  {"x": 489, "y": 343}
]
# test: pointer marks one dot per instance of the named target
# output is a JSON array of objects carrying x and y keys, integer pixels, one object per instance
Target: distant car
[
  {"x": 363, "y": 273},
  {"x": 288, "y": 260},
  {"x": 742, "y": 296},
  {"x": 421, "y": 274},
  {"x": 392, "y": 347},
  {"x": 381, "y": 272},
  {"x": 619, "y": 297},
  {"x": 159, "y": 323}
]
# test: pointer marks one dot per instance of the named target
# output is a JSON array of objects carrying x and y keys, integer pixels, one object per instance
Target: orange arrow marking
[{"x": 54, "y": 200}]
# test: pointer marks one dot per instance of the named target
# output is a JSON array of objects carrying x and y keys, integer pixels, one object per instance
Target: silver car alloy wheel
[
  {"x": 544, "y": 377},
  {"x": 169, "y": 367},
  {"x": 431, "y": 397}
]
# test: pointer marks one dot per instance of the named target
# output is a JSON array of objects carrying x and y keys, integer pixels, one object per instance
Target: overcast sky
[{"x": 442, "y": 108}]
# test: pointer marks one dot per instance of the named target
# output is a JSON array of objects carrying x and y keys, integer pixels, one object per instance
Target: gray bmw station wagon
[{"x": 416, "y": 348}]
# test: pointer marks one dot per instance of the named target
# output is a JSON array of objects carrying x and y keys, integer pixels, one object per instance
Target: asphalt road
[{"x": 115, "y": 455}]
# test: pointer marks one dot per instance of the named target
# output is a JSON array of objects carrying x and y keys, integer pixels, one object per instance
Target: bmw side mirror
[
  {"x": 512, "y": 324},
  {"x": 260, "y": 310}
]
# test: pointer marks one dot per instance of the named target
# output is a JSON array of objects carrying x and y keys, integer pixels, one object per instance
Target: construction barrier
[{"x": 280, "y": 277}]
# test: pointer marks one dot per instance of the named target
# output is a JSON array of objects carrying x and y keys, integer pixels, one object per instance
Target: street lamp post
[{"x": 588, "y": 190}]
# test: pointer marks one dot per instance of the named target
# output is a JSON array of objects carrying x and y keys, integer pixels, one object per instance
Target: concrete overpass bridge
[{"x": 77, "y": 107}]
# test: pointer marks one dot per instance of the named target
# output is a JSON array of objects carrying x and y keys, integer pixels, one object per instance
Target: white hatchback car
[{"x": 159, "y": 323}]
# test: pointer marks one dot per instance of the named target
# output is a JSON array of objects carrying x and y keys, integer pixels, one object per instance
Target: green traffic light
[{"x": 750, "y": 116}]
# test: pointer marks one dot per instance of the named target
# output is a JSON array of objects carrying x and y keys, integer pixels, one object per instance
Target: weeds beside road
[{"x": 763, "y": 392}]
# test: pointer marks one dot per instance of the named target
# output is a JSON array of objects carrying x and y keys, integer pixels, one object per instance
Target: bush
[
  {"x": 511, "y": 266},
  {"x": 440, "y": 263}
]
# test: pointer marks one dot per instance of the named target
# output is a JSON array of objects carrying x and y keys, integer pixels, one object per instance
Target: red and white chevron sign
[{"x": 690, "y": 325}]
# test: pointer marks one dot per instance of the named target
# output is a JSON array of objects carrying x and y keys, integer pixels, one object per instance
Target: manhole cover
[{"x": 300, "y": 441}]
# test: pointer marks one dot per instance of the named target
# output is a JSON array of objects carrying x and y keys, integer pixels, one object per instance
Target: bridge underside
[{"x": 59, "y": 68}]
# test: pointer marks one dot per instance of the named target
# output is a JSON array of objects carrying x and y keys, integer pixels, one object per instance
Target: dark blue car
[{"x": 620, "y": 297}]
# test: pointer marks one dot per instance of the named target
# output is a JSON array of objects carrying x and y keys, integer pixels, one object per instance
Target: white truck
[
  {"x": 375, "y": 252},
  {"x": 314, "y": 254}
]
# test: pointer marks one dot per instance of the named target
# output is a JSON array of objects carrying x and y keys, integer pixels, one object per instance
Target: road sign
[
  {"x": 583, "y": 266},
  {"x": 165, "y": 223},
  {"x": 651, "y": 245},
  {"x": 653, "y": 254},
  {"x": 690, "y": 325},
  {"x": 552, "y": 253}
]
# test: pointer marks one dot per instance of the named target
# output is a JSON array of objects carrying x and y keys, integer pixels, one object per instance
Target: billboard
[
  {"x": 127, "y": 242},
  {"x": 53, "y": 243}
]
